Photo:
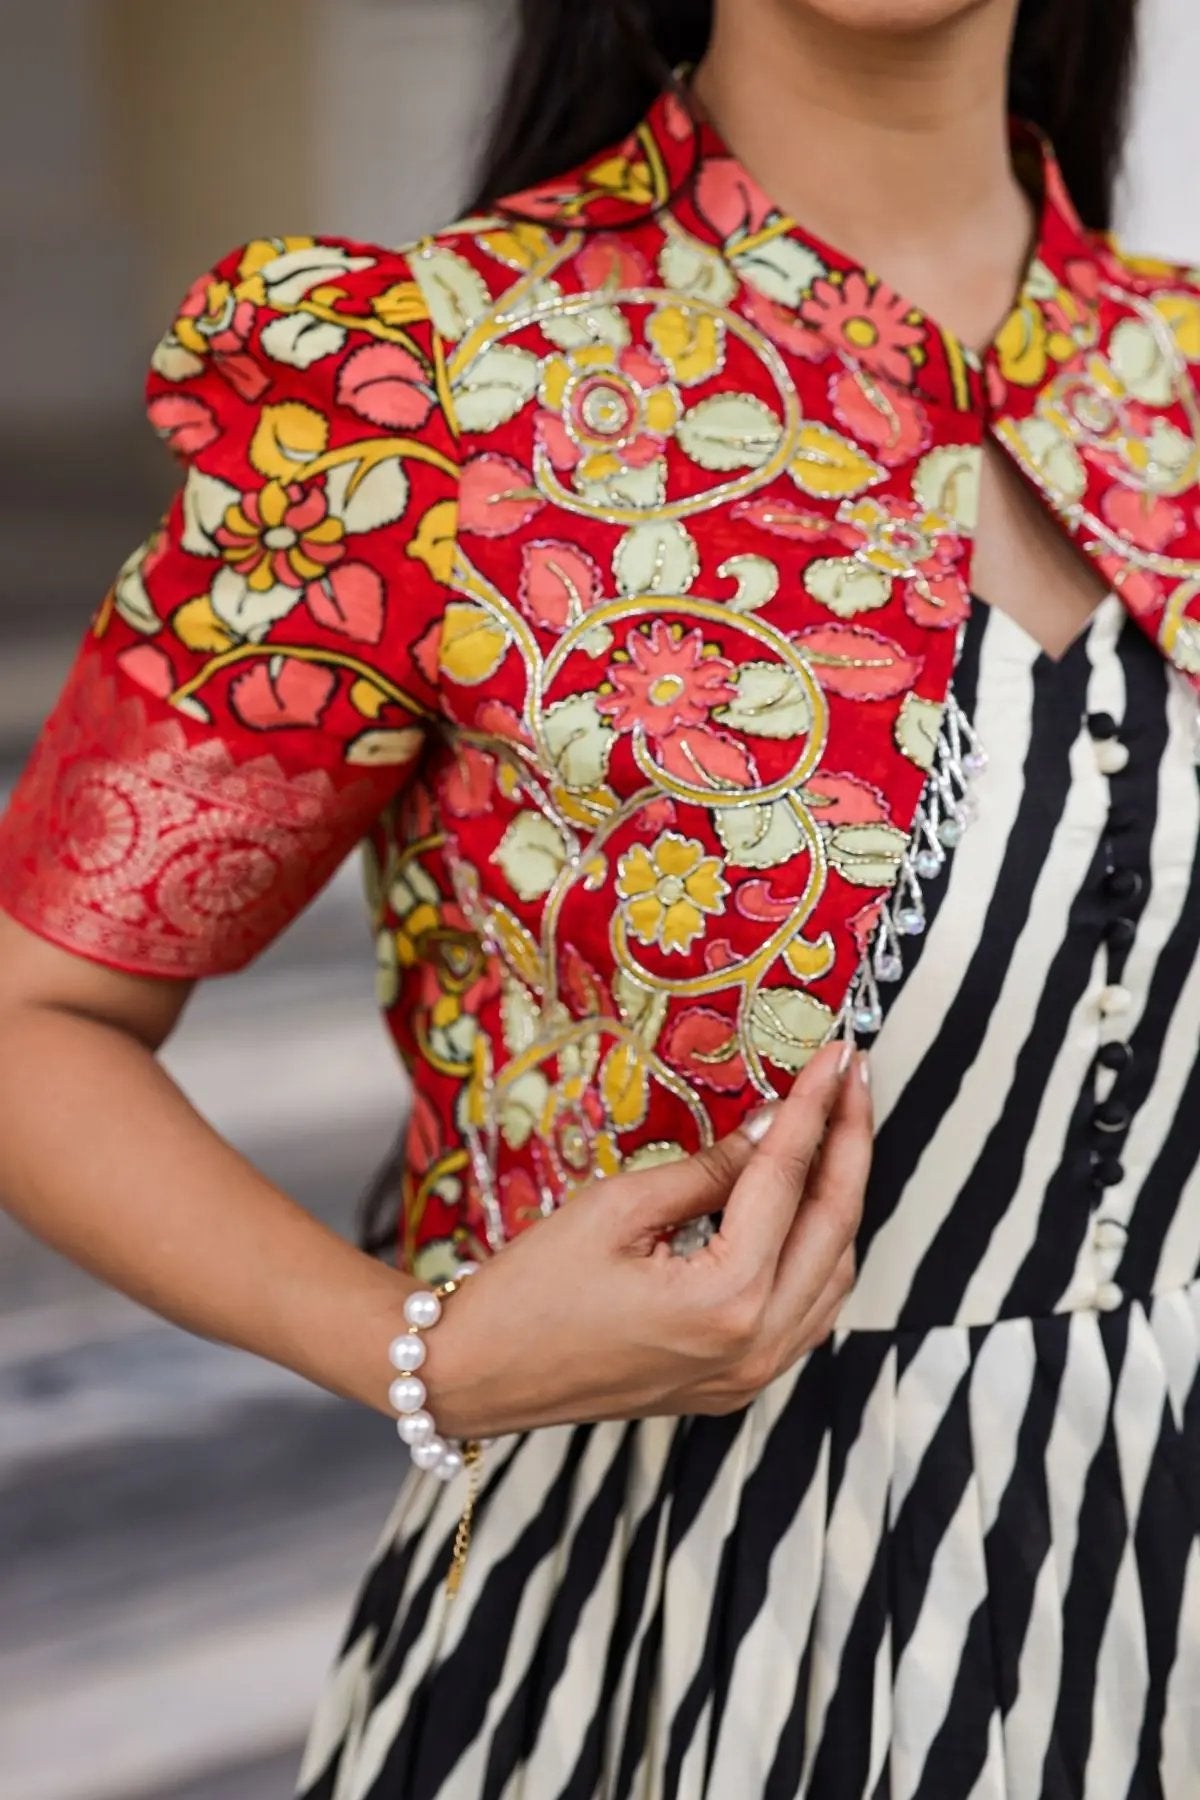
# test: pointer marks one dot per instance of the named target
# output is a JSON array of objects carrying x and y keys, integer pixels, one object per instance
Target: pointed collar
[{"x": 678, "y": 164}]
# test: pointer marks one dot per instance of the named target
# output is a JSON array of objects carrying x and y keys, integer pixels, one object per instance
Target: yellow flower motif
[
  {"x": 667, "y": 890},
  {"x": 897, "y": 540}
]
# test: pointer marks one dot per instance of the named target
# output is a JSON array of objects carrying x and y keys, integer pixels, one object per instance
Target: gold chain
[{"x": 473, "y": 1458}]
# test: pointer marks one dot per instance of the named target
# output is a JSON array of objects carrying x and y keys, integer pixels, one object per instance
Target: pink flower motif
[
  {"x": 281, "y": 534},
  {"x": 212, "y": 319},
  {"x": 606, "y": 408},
  {"x": 920, "y": 548},
  {"x": 666, "y": 692},
  {"x": 867, "y": 322},
  {"x": 667, "y": 684},
  {"x": 213, "y": 322}
]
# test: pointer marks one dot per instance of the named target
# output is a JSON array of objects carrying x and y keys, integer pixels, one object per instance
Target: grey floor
[{"x": 181, "y": 1528}]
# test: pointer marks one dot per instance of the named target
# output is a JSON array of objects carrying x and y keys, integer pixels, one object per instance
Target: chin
[{"x": 880, "y": 17}]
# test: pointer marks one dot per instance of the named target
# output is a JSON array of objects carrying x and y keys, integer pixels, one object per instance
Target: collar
[{"x": 677, "y": 163}]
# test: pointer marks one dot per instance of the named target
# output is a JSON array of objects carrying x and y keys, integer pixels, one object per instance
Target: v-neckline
[{"x": 1103, "y": 609}]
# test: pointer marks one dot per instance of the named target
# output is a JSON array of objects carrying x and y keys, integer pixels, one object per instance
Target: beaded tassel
[{"x": 946, "y": 808}]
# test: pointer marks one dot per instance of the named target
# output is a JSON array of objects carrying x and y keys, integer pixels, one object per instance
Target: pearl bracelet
[{"x": 431, "y": 1453}]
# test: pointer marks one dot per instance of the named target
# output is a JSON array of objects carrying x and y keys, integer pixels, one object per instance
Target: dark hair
[{"x": 583, "y": 75}]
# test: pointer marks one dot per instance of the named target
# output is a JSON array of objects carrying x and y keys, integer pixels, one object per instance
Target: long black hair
[{"x": 583, "y": 74}]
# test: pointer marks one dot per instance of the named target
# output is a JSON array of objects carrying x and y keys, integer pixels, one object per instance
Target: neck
[{"x": 891, "y": 145}]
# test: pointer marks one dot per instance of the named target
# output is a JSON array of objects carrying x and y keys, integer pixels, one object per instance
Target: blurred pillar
[{"x": 213, "y": 128}]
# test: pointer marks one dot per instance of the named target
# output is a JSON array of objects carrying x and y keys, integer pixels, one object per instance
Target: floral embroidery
[
  {"x": 600, "y": 559},
  {"x": 874, "y": 325},
  {"x": 668, "y": 889},
  {"x": 283, "y": 534},
  {"x": 606, "y": 409}
]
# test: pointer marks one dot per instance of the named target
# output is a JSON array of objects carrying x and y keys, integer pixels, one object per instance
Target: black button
[
  {"x": 1123, "y": 884},
  {"x": 1116, "y": 1055},
  {"x": 1121, "y": 933},
  {"x": 1102, "y": 725},
  {"x": 1111, "y": 1116},
  {"x": 1107, "y": 1171}
]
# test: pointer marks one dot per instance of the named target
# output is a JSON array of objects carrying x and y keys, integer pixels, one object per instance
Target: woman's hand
[{"x": 590, "y": 1315}]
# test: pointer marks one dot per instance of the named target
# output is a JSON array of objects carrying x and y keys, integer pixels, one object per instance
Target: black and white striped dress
[{"x": 956, "y": 1554}]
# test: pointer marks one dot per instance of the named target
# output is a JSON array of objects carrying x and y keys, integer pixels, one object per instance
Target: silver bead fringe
[{"x": 946, "y": 809}]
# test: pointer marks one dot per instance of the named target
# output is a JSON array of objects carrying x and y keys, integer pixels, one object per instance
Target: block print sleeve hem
[{"x": 258, "y": 685}]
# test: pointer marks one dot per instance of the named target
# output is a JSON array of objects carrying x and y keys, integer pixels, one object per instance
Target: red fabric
[{"x": 622, "y": 540}]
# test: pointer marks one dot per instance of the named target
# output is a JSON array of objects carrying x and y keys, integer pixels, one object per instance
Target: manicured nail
[
  {"x": 864, "y": 1068},
  {"x": 758, "y": 1124},
  {"x": 844, "y": 1059}
]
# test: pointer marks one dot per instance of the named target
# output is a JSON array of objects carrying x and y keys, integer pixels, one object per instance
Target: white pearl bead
[
  {"x": 1114, "y": 1000},
  {"x": 422, "y": 1309},
  {"x": 407, "y": 1394},
  {"x": 452, "y": 1464},
  {"x": 1111, "y": 756},
  {"x": 427, "y": 1456},
  {"x": 1109, "y": 1297},
  {"x": 1109, "y": 1234},
  {"x": 416, "y": 1428},
  {"x": 407, "y": 1353}
]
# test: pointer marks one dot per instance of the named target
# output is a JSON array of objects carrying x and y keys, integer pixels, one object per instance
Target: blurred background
[{"x": 181, "y": 1528}]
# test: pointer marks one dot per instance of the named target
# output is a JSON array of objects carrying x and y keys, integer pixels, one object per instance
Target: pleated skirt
[{"x": 957, "y": 1564}]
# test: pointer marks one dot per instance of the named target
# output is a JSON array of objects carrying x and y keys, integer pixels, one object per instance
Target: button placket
[{"x": 1121, "y": 890}]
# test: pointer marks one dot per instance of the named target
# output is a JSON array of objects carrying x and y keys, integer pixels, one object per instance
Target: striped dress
[{"x": 955, "y": 1555}]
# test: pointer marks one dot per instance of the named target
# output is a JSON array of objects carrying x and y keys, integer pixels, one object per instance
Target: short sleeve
[{"x": 261, "y": 678}]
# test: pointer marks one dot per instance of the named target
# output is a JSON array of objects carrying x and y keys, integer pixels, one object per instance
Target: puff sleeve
[{"x": 261, "y": 678}]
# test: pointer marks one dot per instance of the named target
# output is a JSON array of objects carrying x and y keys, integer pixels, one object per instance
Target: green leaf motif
[
  {"x": 1139, "y": 359},
  {"x": 640, "y": 1007},
  {"x": 579, "y": 739},
  {"x": 495, "y": 386},
  {"x": 522, "y": 1104},
  {"x": 917, "y": 727},
  {"x": 947, "y": 482},
  {"x": 730, "y": 431},
  {"x": 782, "y": 269},
  {"x": 532, "y": 853},
  {"x": 659, "y": 557},
  {"x": 867, "y": 855},
  {"x": 518, "y": 1014},
  {"x": 759, "y": 837},
  {"x": 771, "y": 702},
  {"x": 689, "y": 267},
  {"x": 455, "y": 293},
  {"x": 379, "y": 498},
  {"x": 847, "y": 587},
  {"x": 576, "y": 328},
  {"x": 787, "y": 1026},
  {"x": 299, "y": 341}
]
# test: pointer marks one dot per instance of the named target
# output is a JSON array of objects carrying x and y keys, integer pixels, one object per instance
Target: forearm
[{"x": 103, "y": 1157}]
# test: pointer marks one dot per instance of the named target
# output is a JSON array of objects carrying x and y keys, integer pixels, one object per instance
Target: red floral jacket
[{"x": 600, "y": 562}]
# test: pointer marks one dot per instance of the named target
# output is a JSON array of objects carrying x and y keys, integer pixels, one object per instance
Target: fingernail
[
  {"x": 864, "y": 1068},
  {"x": 758, "y": 1124},
  {"x": 844, "y": 1059}
]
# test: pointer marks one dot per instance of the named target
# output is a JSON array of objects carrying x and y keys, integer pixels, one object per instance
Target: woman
[{"x": 725, "y": 659}]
